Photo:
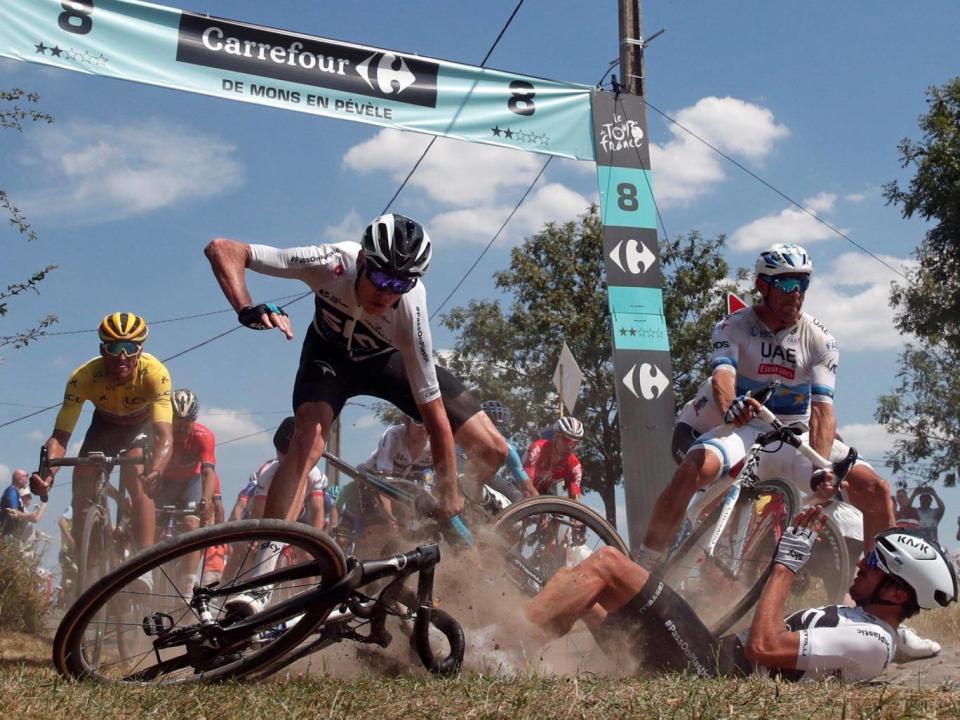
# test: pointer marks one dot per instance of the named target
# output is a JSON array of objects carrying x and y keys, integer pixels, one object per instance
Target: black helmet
[
  {"x": 283, "y": 435},
  {"x": 397, "y": 245}
]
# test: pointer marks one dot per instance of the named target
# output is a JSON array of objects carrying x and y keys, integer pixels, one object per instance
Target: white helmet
[
  {"x": 918, "y": 563},
  {"x": 783, "y": 259},
  {"x": 569, "y": 427},
  {"x": 185, "y": 404},
  {"x": 397, "y": 245}
]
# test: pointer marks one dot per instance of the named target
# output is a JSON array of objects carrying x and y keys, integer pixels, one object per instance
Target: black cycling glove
[{"x": 251, "y": 314}]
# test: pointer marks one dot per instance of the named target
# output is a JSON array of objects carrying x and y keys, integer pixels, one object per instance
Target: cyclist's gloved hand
[
  {"x": 40, "y": 486},
  {"x": 741, "y": 410},
  {"x": 252, "y": 315},
  {"x": 824, "y": 483},
  {"x": 796, "y": 543}
]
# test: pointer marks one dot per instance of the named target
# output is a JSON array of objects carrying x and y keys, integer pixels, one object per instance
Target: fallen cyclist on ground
[{"x": 618, "y": 599}]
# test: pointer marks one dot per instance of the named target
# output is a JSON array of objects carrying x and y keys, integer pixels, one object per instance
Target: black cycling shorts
[
  {"x": 666, "y": 635},
  {"x": 327, "y": 375},
  {"x": 684, "y": 436},
  {"x": 110, "y": 437}
]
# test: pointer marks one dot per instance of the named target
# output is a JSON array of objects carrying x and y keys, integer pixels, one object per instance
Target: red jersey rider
[{"x": 550, "y": 461}]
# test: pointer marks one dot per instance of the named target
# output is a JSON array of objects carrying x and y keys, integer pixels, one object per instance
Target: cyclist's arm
[
  {"x": 238, "y": 507},
  {"x": 229, "y": 260},
  {"x": 56, "y": 448},
  {"x": 517, "y": 471},
  {"x": 770, "y": 644},
  {"x": 575, "y": 477},
  {"x": 724, "y": 385},
  {"x": 444, "y": 455},
  {"x": 316, "y": 510},
  {"x": 823, "y": 427},
  {"x": 162, "y": 446},
  {"x": 723, "y": 363},
  {"x": 209, "y": 474}
]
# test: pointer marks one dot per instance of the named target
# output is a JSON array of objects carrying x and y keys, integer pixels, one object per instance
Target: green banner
[{"x": 142, "y": 42}]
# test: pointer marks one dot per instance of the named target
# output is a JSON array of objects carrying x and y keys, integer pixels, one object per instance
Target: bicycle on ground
[
  {"x": 725, "y": 553},
  {"x": 323, "y": 602}
]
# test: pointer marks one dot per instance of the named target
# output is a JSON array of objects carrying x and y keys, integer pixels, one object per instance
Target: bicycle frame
[{"x": 748, "y": 474}]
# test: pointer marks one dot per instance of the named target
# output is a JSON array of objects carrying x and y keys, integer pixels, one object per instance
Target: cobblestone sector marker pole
[{"x": 641, "y": 348}]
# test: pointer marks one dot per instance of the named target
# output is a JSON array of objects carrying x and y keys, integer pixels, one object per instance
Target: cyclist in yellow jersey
[{"x": 130, "y": 392}]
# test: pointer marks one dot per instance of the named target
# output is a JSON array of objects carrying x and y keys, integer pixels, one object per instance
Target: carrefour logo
[{"x": 296, "y": 58}]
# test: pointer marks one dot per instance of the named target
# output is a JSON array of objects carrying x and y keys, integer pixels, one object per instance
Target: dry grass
[
  {"x": 33, "y": 690},
  {"x": 941, "y": 625}
]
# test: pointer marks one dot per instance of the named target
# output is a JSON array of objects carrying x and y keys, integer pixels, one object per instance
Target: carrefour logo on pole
[{"x": 296, "y": 58}]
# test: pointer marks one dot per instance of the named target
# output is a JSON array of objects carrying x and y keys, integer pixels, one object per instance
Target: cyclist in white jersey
[
  {"x": 370, "y": 336},
  {"x": 623, "y": 602},
  {"x": 772, "y": 340},
  {"x": 403, "y": 451}
]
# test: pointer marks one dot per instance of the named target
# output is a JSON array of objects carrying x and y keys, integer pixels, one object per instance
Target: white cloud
[
  {"x": 856, "y": 197},
  {"x": 228, "y": 424},
  {"x": 38, "y": 435},
  {"x": 350, "y": 228},
  {"x": 685, "y": 168},
  {"x": 365, "y": 421},
  {"x": 850, "y": 295},
  {"x": 552, "y": 202},
  {"x": 5, "y": 475},
  {"x": 453, "y": 172},
  {"x": 99, "y": 172},
  {"x": 790, "y": 225},
  {"x": 870, "y": 439}
]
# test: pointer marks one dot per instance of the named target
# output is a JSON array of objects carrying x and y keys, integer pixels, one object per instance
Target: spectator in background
[
  {"x": 906, "y": 513},
  {"x": 11, "y": 501},
  {"x": 18, "y": 520},
  {"x": 929, "y": 517}
]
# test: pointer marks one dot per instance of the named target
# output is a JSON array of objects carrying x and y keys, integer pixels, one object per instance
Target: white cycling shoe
[
  {"x": 911, "y": 646},
  {"x": 142, "y": 585}
]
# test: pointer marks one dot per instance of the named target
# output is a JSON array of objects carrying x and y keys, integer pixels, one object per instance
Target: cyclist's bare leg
[
  {"x": 288, "y": 488},
  {"x": 870, "y": 494},
  {"x": 698, "y": 469},
  {"x": 143, "y": 515},
  {"x": 601, "y": 584},
  {"x": 486, "y": 448}
]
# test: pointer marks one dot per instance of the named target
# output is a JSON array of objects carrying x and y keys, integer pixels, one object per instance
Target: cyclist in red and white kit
[
  {"x": 190, "y": 480},
  {"x": 548, "y": 462}
]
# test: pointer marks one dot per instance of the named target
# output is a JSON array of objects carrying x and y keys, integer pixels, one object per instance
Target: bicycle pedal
[{"x": 158, "y": 624}]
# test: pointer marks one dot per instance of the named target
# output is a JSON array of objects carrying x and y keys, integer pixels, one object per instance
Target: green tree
[
  {"x": 925, "y": 405},
  {"x": 12, "y": 116},
  {"x": 556, "y": 289}
]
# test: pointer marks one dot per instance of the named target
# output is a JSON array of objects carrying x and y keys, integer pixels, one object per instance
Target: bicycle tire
[
  {"x": 94, "y": 558},
  {"x": 724, "y": 587},
  {"x": 68, "y": 646},
  {"x": 517, "y": 518}
]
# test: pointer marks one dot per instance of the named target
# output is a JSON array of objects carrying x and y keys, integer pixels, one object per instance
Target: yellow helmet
[{"x": 123, "y": 326}]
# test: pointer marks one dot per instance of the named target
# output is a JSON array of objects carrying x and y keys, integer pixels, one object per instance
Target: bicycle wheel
[
  {"x": 187, "y": 644},
  {"x": 94, "y": 562},
  {"x": 540, "y": 535},
  {"x": 825, "y": 578},
  {"x": 724, "y": 586}
]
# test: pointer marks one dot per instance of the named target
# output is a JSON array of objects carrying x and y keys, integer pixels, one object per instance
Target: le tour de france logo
[
  {"x": 296, "y": 58},
  {"x": 621, "y": 134}
]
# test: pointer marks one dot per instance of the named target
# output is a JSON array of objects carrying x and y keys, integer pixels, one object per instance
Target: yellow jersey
[{"x": 147, "y": 394}]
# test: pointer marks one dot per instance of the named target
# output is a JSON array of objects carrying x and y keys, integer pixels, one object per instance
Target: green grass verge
[{"x": 33, "y": 690}]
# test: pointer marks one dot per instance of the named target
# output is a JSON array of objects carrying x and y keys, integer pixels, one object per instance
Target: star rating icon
[
  {"x": 41, "y": 48},
  {"x": 529, "y": 138}
]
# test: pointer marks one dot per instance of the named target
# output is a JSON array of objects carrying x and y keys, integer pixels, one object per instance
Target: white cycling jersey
[
  {"x": 702, "y": 413},
  {"x": 843, "y": 642},
  {"x": 394, "y": 457},
  {"x": 316, "y": 483},
  {"x": 803, "y": 358},
  {"x": 331, "y": 272}
]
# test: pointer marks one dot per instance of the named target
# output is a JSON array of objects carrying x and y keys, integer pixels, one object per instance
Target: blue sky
[{"x": 131, "y": 181}]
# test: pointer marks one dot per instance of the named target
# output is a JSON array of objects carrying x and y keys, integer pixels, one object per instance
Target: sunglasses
[
  {"x": 789, "y": 284},
  {"x": 383, "y": 281},
  {"x": 121, "y": 347}
]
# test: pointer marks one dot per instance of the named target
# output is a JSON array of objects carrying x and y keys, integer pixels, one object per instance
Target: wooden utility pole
[{"x": 631, "y": 47}]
